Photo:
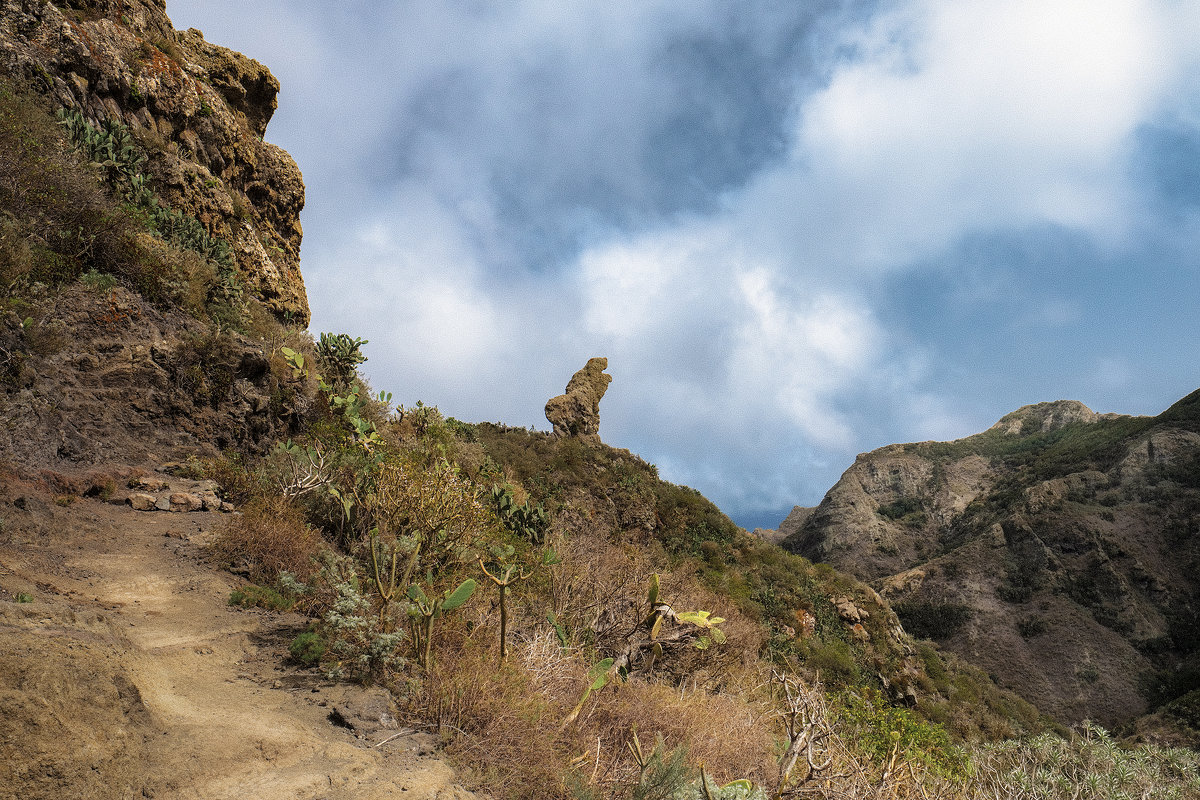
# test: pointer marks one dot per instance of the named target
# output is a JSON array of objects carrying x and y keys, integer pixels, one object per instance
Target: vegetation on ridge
[
  {"x": 630, "y": 641},
  {"x": 600, "y": 676},
  {"x": 1057, "y": 549}
]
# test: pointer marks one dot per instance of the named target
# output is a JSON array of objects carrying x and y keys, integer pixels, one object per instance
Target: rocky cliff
[
  {"x": 200, "y": 112},
  {"x": 1060, "y": 550},
  {"x": 121, "y": 338}
]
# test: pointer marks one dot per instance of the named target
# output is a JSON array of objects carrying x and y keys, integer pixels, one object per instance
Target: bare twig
[{"x": 404, "y": 732}]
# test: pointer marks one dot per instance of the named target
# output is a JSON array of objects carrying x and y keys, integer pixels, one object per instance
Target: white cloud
[
  {"x": 969, "y": 116},
  {"x": 742, "y": 339},
  {"x": 411, "y": 286},
  {"x": 953, "y": 118},
  {"x": 791, "y": 358},
  {"x": 720, "y": 365}
]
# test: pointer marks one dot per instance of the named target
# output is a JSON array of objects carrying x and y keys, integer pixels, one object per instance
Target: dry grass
[
  {"x": 505, "y": 720},
  {"x": 502, "y": 728},
  {"x": 724, "y": 732},
  {"x": 269, "y": 537},
  {"x": 239, "y": 482}
]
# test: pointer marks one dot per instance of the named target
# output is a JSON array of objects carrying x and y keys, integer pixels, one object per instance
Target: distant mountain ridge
[{"x": 1059, "y": 549}]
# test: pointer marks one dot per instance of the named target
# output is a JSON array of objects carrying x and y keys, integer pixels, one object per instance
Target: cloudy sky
[{"x": 797, "y": 230}]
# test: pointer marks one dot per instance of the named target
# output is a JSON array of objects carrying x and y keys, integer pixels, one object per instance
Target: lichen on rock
[{"x": 577, "y": 413}]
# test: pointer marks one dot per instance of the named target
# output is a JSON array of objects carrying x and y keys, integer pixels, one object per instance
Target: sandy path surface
[{"x": 202, "y": 706}]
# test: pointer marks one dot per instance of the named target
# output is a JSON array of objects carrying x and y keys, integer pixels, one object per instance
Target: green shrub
[
  {"x": 56, "y": 220},
  {"x": 253, "y": 596},
  {"x": 238, "y": 480},
  {"x": 935, "y": 668},
  {"x": 205, "y": 366},
  {"x": 833, "y": 659},
  {"x": 76, "y": 207},
  {"x": 98, "y": 282},
  {"x": 307, "y": 648},
  {"x": 1015, "y": 593},
  {"x": 878, "y": 729},
  {"x": 1030, "y": 627},
  {"x": 927, "y": 620},
  {"x": 906, "y": 509}
]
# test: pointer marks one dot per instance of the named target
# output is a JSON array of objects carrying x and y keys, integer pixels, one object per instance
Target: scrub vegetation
[{"x": 569, "y": 623}]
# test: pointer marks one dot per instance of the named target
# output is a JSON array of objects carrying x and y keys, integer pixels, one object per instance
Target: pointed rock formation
[{"x": 577, "y": 413}]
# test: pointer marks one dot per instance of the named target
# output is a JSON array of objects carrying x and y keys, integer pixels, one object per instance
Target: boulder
[
  {"x": 147, "y": 484},
  {"x": 184, "y": 501},
  {"x": 848, "y": 611},
  {"x": 369, "y": 712},
  {"x": 142, "y": 502},
  {"x": 577, "y": 412}
]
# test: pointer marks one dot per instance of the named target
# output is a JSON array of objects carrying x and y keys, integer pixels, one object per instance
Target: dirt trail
[{"x": 130, "y": 676}]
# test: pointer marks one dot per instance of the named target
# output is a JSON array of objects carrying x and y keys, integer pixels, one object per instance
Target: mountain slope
[
  {"x": 1059, "y": 550},
  {"x": 536, "y": 599}
]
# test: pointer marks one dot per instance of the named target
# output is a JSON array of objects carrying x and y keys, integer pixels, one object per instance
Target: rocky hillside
[
  {"x": 149, "y": 242},
  {"x": 1059, "y": 549},
  {"x": 535, "y": 600},
  {"x": 199, "y": 112}
]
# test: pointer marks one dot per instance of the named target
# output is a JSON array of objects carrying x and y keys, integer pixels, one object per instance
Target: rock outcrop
[
  {"x": 1058, "y": 550},
  {"x": 118, "y": 379},
  {"x": 200, "y": 112},
  {"x": 577, "y": 413},
  {"x": 1046, "y": 417}
]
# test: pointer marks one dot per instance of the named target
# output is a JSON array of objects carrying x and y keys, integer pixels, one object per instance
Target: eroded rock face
[
  {"x": 1049, "y": 549},
  {"x": 577, "y": 413},
  {"x": 1045, "y": 417},
  {"x": 199, "y": 110},
  {"x": 162, "y": 386}
]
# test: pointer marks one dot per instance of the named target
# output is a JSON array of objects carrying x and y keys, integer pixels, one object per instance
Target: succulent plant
[
  {"x": 112, "y": 149},
  {"x": 340, "y": 355},
  {"x": 526, "y": 521},
  {"x": 425, "y": 610}
]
